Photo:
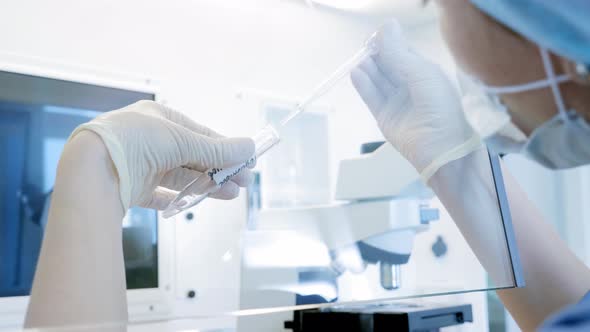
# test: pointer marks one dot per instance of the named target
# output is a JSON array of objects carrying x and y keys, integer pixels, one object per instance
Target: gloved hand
[
  {"x": 154, "y": 147},
  {"x": 416, "y": 107}
]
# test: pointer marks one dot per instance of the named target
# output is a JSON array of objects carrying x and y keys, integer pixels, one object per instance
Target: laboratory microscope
[{"x": 382, "y": 206}]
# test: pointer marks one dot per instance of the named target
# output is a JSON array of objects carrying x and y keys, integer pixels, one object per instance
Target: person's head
[{"x": 490, "y": 50}]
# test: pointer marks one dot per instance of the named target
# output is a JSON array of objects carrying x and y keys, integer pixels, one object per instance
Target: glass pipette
[
  {"x": 326, "y": 85},
  {"x": 211, "y": 180}
]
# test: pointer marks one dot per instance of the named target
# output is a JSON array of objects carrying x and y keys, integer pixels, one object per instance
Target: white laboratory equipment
[{"x": 374, "y": 213}]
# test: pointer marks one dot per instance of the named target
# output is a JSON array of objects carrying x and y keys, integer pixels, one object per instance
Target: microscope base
[{"x": 381, "y": 318}]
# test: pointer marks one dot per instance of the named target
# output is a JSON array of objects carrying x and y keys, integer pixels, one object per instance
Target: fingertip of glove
[
  {"x": 356, "y": 74},
  {"x": 228, "y": 191},
  {"x": 244, "y": 178},
  {"x": 363, "y": 84},
  {"x": 390, "y": 37}
]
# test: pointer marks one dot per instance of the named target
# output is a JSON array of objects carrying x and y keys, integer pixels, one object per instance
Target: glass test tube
[{"x": 212, "y": 179}]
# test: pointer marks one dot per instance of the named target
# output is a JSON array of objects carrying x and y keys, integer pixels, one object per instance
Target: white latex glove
[
  {"x": 154, "y": 147},
  {"x": 415, "y": 105}
]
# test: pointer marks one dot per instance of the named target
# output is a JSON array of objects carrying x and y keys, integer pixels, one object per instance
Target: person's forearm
[
  {"x": 554, "y": 276},
  {"x": 80, "y": 277}
]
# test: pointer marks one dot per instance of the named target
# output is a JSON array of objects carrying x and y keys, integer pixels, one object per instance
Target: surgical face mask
[
  {"x": 489, "y": 117},
  {"x": 562, "y": 142}
]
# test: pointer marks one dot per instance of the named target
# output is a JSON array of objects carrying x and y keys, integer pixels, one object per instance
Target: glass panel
[{"x": 376, "y": 246}]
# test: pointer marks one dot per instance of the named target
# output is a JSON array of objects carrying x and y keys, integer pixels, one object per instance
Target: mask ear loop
[
  {"x": 518, "y": 88},
  {"x": 554, "y": 85}
]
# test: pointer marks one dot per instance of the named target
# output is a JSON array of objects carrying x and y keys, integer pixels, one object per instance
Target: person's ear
[{"x": 578, "y": 71}]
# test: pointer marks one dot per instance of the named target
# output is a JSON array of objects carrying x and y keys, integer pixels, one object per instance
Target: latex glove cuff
[
  {"x": 472, "y": 144},
  {"x": 117, "y": 155}
]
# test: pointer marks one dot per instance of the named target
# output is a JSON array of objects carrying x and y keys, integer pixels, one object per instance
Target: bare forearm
[
  {"x": 554, "y": 276},
  {"x": 80, "y": 275}
]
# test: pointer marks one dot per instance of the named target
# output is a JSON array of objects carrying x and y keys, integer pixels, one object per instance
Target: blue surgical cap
[{"x": 560, "y": 26}]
